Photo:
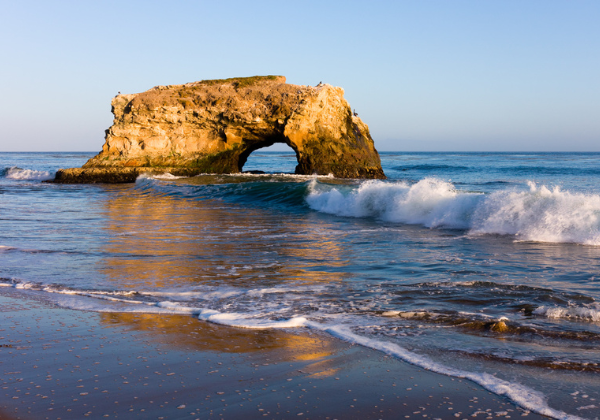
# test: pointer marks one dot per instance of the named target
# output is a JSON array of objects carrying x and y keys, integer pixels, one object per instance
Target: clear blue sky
[{"x": 424, "y": 75}]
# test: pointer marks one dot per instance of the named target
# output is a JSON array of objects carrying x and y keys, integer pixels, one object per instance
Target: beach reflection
[
  {"x": 161, "y": 241},
  {"x": 186, "y": 333}
]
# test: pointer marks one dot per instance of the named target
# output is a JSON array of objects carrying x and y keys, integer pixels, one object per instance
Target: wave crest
[
  {"x": 575, "y": 313},
  {"x": 541, "y": 215},
  {"x": 17, "y": 173},
  {"x": 430, "y": 202},
  {"x": 537, "y": 214}
]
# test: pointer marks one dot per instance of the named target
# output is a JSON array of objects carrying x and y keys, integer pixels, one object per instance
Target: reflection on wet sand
[
  {"x": 186, "y": 333},
  {"x": 161, "y": 241}
]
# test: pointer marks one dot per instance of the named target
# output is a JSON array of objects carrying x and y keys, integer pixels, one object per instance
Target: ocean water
[{"x": 483, "y": 266}]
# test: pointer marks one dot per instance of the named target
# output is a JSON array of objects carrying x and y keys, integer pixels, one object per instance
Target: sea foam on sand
[{"x": 520, "y": 394}]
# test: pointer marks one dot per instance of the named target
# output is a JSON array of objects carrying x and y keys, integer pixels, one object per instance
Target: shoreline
[{"x": 68, "y": 364}]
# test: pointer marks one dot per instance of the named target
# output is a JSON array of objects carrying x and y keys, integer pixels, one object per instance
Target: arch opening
[{"x": 269, "y": 157}]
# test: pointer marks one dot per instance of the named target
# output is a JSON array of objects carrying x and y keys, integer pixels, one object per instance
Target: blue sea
[{"x": 484, "y": 266}]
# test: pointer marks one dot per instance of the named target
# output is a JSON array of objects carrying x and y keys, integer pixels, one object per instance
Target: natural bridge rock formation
[{"x": 212, "y": 126}]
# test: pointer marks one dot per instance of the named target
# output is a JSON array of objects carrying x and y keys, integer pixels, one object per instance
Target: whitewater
[
  {"x": 482, "y": 266},
  {"x": 537, "y": 214}
]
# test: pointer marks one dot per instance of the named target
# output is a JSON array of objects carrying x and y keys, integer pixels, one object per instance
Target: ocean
[{"x": 483, "y": 266}]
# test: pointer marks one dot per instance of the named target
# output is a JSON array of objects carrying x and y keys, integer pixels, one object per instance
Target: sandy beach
[{"x": 64, "y": 364}]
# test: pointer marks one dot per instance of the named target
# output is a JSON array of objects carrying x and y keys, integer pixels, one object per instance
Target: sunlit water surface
[{"x": 478, "y": 265}]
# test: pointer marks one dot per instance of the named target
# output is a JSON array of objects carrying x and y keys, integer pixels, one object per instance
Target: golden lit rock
[
  {"x": 212, "y": 126},
  {"x": 499, "y": 326}
]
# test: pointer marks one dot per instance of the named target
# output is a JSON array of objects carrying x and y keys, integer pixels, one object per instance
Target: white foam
[
  {"x": 244, "y": 321},
  {"x": 166, "y": 176},
  {"x": 275, "y": 290},
  {"x": 90, "y": 303},
  {"x": 573, "y": 312},
  {"x": 430, "y": 202},
  {"x": 263, "y": 177},
  {"x": 520, "y": 394},
  {"x": 478, "y": 315},
  {"x": 199, "y": 294},
  {"x": 541, "y": 215},
  {"x": 103, "y": 297},
  {"x": 408, "y": 314},
  {"x": 88, "y": 299},
  {"x": 178, "y": 308},
  {"x": 120, "y": 301},
  {"x": 25, "y": 285},
  {"x": 280, "y": 176},
  {"x": 27, "y": 174},
  {"x": 536, "y": 214}
]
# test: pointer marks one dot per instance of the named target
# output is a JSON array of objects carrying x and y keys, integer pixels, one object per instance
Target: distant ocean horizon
[
  {"x": 476, "y": 265},
  {"x": 290, "y": 150}
]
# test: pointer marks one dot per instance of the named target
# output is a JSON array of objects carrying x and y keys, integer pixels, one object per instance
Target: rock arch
[
  {"x": 243, "y": 158},
  {"x": 212, "y": 126}
]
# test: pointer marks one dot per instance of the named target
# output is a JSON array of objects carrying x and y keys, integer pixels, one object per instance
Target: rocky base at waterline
[
  {"x": 115, "y": 175},
  {"x": 212, "y": 126}
]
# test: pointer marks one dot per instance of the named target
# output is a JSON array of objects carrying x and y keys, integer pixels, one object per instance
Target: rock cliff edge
[{"x": 212, "y": 126}]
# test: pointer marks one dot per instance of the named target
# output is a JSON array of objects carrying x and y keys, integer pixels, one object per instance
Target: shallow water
[{"x": 476, "y": 265}]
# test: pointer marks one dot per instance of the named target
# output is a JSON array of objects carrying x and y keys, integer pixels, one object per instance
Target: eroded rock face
[{"x": 212, "y": 127}]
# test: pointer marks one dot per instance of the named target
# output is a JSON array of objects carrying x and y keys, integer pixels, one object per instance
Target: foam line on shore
[
  {"x": 521, "y": 395},
  {"x": 241, "y": 321},
  {"x": 122, "y": 302}
]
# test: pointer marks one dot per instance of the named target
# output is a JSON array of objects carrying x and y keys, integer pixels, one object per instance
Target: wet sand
[{"x": 63, "y": 364}]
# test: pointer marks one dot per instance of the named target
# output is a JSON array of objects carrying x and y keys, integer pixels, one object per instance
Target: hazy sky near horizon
[{"x": 433, "y": 75}]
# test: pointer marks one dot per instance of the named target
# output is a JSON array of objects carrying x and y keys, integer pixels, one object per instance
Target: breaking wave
[
  {"x": 578, "y": 313},
  {"x": 17, "y": 173},
  {"x": 537, "y": 214}
]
